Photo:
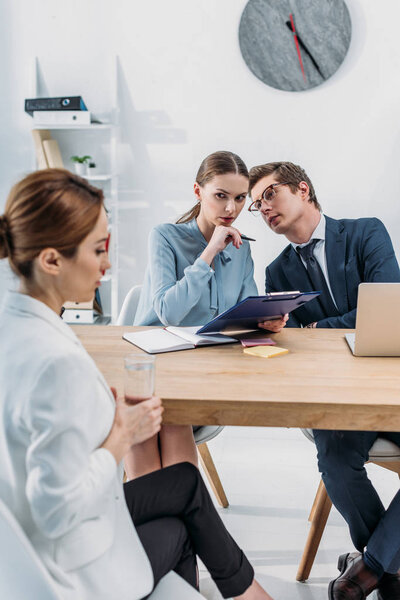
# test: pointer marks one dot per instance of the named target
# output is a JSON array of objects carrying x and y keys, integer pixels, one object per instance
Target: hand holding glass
[{"x": 138, "y": 378}]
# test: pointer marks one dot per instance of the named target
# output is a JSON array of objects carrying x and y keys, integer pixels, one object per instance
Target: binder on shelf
[
  {"x": 62, "y": 103},
  {"x": 78, "y": 312},
  {"x": 59, "y": 117},
  {"x": 71, "y": 315},
  {"x": 39, "y": 136},
  {"x": 53, "y": 154},
  {"x": 79, "y": 305}
]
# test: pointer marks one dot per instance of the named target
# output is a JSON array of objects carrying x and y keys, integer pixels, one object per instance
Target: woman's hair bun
[{"x": 4, "y": 244}]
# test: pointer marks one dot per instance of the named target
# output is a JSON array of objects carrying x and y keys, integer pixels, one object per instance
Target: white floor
[{"x": 270, "y": 477}]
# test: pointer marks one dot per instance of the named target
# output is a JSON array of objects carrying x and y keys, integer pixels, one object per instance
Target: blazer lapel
[{"x": 335, "y": 251}]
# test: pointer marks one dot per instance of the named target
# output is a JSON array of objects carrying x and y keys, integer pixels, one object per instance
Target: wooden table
[{"x": 318, "y": 384}]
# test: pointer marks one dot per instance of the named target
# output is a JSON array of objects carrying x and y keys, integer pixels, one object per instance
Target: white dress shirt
[
  {"x": 66, "y": 491},
  {"x": 319, "y": 251}
]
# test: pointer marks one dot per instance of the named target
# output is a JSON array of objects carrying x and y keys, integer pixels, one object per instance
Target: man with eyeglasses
[{"x": 335, "y": 256}]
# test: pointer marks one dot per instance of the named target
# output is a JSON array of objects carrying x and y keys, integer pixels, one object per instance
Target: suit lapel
[{"x": 335, "y": 252}]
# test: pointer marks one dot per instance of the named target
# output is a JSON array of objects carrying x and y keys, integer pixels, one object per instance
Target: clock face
[{"x": 294, "y": 45}]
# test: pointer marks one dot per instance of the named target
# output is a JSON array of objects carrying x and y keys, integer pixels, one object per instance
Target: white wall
[{"x": 185, "y": 91}]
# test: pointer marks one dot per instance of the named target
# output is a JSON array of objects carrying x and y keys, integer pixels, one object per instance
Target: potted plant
[
  {"x": 80, "y": 163},
  {"x": 91, "y": 168}
]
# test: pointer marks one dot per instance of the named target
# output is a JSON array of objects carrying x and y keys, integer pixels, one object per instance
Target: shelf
[
  {"x": 98, "y": 177},
  {"x": 97, "y": 320},
  {"x": 102, "y": 320},
  {"x": 77, "y": 127}
]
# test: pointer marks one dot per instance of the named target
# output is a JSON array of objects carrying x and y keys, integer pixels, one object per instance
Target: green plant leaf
[{"x": 80, "y": 159}]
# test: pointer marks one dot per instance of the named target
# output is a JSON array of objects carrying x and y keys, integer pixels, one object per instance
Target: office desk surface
[{"x": 318, "y": 384}]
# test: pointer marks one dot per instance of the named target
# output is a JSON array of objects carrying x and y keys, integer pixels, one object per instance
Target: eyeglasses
[{"x": 268, "y": 195}]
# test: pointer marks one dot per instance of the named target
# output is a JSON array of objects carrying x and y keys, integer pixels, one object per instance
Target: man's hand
[{"x": 274, "y": 325}]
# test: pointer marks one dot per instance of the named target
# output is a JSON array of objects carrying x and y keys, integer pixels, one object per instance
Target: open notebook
[{"x": 170, "y": 339}]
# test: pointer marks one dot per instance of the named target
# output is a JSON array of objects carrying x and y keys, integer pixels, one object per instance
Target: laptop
[{"x": 378, "y": 321}]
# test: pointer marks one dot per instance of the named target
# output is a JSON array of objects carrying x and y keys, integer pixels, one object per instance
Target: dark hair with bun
[{"x": 50, "y": 208}]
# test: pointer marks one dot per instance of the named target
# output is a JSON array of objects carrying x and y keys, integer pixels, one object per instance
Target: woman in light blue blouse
[{"x": 200, "y": 266}]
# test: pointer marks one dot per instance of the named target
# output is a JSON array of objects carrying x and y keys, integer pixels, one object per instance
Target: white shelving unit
[{"x": 98, "y": 140}]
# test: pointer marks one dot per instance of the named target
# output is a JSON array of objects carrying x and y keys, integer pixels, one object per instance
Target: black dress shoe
[
  {"x": 389, "y": 587},
  {"x": 355, "y": 581}
]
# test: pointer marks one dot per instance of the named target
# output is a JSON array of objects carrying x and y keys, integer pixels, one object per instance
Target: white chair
[
  {"x": 383, "y": 453},
  {"x": 129, "y": 306},
  {"x": 202, "y": 434},
  {"x": 22, "y": 575}
]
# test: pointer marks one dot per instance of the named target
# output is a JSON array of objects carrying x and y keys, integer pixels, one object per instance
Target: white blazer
[{"x": 56, "y": 409}]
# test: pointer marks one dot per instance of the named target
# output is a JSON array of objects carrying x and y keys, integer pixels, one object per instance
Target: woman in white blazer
[{"x": 63, "y": 435}]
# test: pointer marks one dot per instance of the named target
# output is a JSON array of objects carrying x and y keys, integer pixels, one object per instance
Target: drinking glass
[{"x": 138, "y": 377}]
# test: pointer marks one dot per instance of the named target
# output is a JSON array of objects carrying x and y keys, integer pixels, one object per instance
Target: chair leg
[
  {"x": 317, "y": 496},
  {"x": 319, "y": 513},
  {"x": 211, "y": 472}
]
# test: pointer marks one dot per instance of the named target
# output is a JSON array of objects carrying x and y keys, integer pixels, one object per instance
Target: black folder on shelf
[
  {"x": 253, "y": 310},
  {"x": 59, "y": 103}
]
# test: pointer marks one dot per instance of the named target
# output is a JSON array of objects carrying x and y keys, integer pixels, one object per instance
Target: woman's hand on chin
[
  {"x": 274, "y": 325},
  {"x": 223, "y": 235}
]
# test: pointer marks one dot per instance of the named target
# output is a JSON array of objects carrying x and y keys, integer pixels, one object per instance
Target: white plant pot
[
  {"x": 80, "y": 169},
  {"x": 92, "y": 171}
]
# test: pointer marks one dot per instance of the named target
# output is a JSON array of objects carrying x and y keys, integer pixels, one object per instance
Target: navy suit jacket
[{"x": 357, "y": 250}]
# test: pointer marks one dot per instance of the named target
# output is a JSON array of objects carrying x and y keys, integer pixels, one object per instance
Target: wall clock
[{"x": 294, "y": 45}]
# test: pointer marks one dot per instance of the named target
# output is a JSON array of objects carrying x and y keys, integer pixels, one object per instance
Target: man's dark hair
[{"x": 283, "y": 172}]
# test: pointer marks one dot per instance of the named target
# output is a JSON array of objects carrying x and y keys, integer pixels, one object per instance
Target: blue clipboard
[{"x": 256, "y": 309}]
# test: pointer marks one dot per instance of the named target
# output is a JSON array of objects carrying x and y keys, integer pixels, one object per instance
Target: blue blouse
[{"x": 182, "y": 289}]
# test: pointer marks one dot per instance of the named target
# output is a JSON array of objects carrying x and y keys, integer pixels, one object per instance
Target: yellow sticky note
[{"x": 265, "y": 351}]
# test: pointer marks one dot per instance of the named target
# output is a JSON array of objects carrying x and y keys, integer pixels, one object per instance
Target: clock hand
[
  {"x": 297, "y": 46},
  {"x": 302, "y": 44}
]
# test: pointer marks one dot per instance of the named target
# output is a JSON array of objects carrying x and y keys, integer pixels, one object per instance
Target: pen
[{"x": 244, "y": 237}]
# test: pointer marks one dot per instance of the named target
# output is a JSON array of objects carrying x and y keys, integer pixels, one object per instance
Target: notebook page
[
  {"x": 189, "y": 334},
  {"x": 155, "y": 341}
]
